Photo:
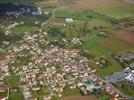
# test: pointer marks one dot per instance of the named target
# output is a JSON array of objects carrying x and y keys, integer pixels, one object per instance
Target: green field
[
  {"x": 63, "y": 12},
  {"x": 14, "y": 80},
  {"x": 92, "y": 45},
  {"x": 112, "y": 67},
  {"x": 16, "y": 96},
  {"x": 71, "y": 92},
  {"x": 98, "y": 23},
  {"x": 43, "y": 91},
  {"x": 20, "y": 30},
  {"x": 117, "y": 11}
]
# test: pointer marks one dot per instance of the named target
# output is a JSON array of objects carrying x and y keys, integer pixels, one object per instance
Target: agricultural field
[
  {"x": 114, "y": 8},
  {"x": 116, "y": 45}
]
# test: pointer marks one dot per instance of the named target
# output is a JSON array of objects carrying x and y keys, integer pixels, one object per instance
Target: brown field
[
  {"x": 80, "y": 98},
  {"x": 125, "y": 36},
  {"x": 89, "y": 4},
  {"x": 116, "y": 45}
]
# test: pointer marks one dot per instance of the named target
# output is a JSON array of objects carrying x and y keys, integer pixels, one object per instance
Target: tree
[{"x": 54, "y": 31}]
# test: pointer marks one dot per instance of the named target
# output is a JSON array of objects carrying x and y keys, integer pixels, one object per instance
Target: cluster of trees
[
  {"x": 123, "y": 62},
  {"x": 86, "y": 54},
  {"x": 55, "y": 31},
  {"x": 127, "y": 87},
  {"x": 9, "y": 7}
]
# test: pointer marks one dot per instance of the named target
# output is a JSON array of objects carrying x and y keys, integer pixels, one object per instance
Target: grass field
[
  {"x": 43, "y": 91},
  {"x": 16, "y": 96},
  {"x": 20, "y": 30},
  {"x": 14, "y": 80},
  {"x": 98, "y": 23},
  {"x": 112, "y": 67},
  {"x": 67, "y": 92},
  {"x": 64, "y": 12},
  {"x": 71, "y": 92},
  {"x": 94, "y": 47}
]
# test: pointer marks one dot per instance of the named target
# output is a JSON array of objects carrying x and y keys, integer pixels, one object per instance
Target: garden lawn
[{"x": 14, "y": 80}]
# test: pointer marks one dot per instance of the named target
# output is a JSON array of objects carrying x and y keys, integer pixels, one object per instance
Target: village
[{"x": 54, "y": 68}]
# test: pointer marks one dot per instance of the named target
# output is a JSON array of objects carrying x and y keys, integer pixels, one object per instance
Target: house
[{"x": 69, "y": 20}]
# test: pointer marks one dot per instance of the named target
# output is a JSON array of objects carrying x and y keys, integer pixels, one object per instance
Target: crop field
[
  {"x": 125, "y": 36},
  {"x": 90, "y": 4},
  {"x": 116, "y": 45}
]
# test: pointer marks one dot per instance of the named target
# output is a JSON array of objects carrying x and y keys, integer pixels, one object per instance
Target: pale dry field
[{"x": 91, "y": 4}]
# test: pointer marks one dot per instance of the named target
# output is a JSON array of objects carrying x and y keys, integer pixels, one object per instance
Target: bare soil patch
[
  {"x": 80, "y": 98},
  {"x": 125, "y": 35}
]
